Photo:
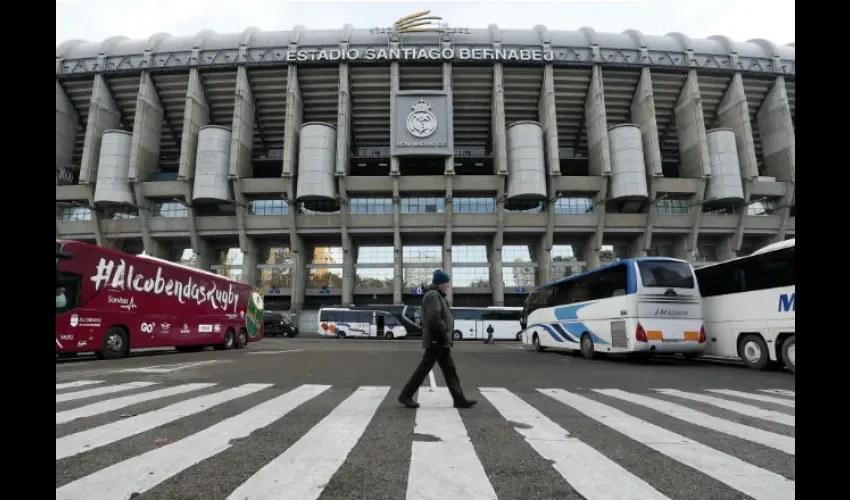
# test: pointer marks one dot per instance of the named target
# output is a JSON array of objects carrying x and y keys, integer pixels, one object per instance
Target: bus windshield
[{"x": 666, "y": 274}]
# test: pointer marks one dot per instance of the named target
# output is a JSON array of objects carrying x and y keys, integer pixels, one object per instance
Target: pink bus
[{"x": 109, "y": 302}]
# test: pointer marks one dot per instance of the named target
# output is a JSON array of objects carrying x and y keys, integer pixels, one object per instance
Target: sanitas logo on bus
[
  {"x": 123, "y": 277},
  {"x": 788, "y": 302}
]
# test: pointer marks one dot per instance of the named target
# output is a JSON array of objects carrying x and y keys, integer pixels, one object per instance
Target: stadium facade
[{"x": 343, "y": 166}]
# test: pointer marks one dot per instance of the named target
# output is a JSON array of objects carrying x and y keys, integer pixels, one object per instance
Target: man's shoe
[
  {"x": 408, "y": 402},
  {"x": 469, "y": 403}
]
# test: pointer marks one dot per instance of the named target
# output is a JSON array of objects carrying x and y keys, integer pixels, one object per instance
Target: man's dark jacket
[{"x": 437, "y": 320}]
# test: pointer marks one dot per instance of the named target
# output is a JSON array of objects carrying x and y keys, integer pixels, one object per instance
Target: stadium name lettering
[
  {"x": 413, "y": 54},
  {"x": 123, "y": 277}
]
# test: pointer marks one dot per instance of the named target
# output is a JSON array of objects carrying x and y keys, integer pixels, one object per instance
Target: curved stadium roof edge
[{"x": 257, "y": 42}]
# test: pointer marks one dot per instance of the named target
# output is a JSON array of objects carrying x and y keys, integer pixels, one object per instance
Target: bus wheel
[
  {"x": 115, "y": 344},
  {"x": 788, "y": 353},
  {"x": 388, "y": 335},
  {"x": 456, "y": 335},
  {"x": 229, "y": 341},
  {"x": 587, "y": 346},
  {"x": 536, "y": 341},
  {"x": 753, "y": 351},
  {"x": 519, "y": 336},
  {"x": 242, "y": 339}
]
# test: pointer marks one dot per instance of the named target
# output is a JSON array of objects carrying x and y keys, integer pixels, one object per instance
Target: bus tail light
[
  {"x": 640, "y": 333},
  {"x": 702, "y": 334}
]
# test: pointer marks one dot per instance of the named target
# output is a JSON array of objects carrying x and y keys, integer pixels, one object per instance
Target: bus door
[{"x": 380, "y": 324}]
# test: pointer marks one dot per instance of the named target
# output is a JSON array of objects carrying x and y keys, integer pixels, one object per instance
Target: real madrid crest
[{"x": 421, "y": 122}]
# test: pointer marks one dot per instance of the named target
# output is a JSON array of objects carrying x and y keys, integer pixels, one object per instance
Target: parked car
[{"x": 276, "y": 324}]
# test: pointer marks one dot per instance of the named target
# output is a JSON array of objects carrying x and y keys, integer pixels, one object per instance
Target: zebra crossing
[{"x": 735, "y": 442}]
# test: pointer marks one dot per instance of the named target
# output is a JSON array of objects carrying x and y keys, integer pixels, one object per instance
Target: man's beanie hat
[{"x": 440, "y": 277}]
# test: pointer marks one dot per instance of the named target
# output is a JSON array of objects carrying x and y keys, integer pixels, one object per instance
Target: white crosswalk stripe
[
  {"x": 447, "y": 455},
  {"x": 776, "y": 441},
  {"x": 781, "y": 392},
  {"x": 100, "y": 391},
  {"x": 301, "y": 472},
  {"x": 450, "y": 462},
  {"x": 77, "y": 383},
  {"x": 748, "y": 479},
  {"x": 591, "y": 473},
  {"x": 755, "y": 397},
  {"x": 734, "y": 406}
]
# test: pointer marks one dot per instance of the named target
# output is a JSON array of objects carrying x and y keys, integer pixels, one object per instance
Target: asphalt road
[{"x": 308, "y": 419}]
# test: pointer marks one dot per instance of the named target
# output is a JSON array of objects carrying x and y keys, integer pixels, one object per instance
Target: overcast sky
[{"x": 740, "y": 20}]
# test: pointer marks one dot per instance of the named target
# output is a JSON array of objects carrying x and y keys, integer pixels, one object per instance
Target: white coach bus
[
  {"x": 471, "y": 322},
  {"x": 749, "y": 306},
  {"x": 635, "y": 306},
  {"x": 342, "y": 322}
]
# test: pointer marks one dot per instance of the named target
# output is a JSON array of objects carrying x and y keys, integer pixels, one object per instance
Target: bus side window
[
  {"x": 772, "y": 270},
  {"x": 72, "y": 283},
  {"x": 608, "y": 281},
  {"x": 721, "y": 279},
  {"x": 540, "y": 298}
]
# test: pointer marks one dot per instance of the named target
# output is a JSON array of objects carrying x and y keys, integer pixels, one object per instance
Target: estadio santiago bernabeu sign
[
  {"x": 420, "y": 54},
  {"x": 125, "y": 278},
  {"x": 421, "y": 22}
]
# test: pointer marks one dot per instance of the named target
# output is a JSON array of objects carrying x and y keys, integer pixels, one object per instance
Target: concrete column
[
  {"x": 204, "y": 253},
  {"x": 681, "y": 250},
  {"x": 241, "y": 165},
  {"x": 690, "y": 125},
  {"x": 591, "y": 252},
  {"x": 348, "y": 256},
  {"x": 242, "y": 138},
  {"x": 497, "y": 276},
  {"x": 733, "y": 112},
  {"x": 398, "y": 257},
  {"x": 696, "y": 217},
  {"x": 394, "y": 87},
  {"x": 103, "y": 115},
  {"x": 300, "y": 256},
  {"x": 147, "y": 133},
  {"x": 788, "y": 201},
  {"x": 398, "y": 268},
  {"x": 294, "y": 117},
  {"x": 643, "y": 115},
  {"x": 596, "y": 124},
  {"x": 544, "y": 257},
  {"x": 343, "y": 148},
  {"x": 778, "y": 141},
  {"x": 549, "y": 119},
  {"x": 497, "y": 123},
  {"x": 343, "y": 122},
  {"x": 637, "y": 247},
  {"x": 151, "y": 245},
  {"x": 250, "y": 260},
  {"x": 448, "y": 240},
  {"x": 196, "y": 114},
  {"x": 67, "y": 120},
  {"x": 727, "y": 248}
]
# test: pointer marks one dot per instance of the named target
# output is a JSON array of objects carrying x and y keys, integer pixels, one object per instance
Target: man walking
[{"x": 437, "y": 328}]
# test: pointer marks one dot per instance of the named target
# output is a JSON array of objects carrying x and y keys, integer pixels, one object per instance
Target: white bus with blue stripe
[
  {"x": 750, "y": 307},
  {"x": 638, "y": 306},
  {"x": 342, "y": 322}
]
